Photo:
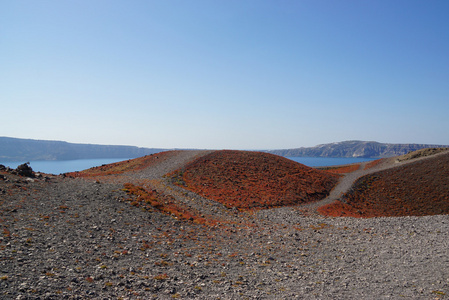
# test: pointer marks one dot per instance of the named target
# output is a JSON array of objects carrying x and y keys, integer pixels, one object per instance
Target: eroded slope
[
  {"x": 248, "y": 180},
  {"x": 415, "y": 189}
]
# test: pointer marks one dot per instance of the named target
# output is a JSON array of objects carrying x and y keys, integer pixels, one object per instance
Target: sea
[
  {"x": 64, "y": 166},
  {"x": 329, "y": 161}
]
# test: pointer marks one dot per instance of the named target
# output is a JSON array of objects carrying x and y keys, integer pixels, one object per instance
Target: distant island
[
  {"x": 15, "y": 149},
  {"x": 354, "y": 149}
]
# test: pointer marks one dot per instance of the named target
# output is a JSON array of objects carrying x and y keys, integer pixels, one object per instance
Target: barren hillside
[
  {"x": 247, "y": 180},
  {"x": 418, "y": 188}
]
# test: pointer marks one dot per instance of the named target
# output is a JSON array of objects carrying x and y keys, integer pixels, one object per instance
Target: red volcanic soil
[
  {"x": 126, "y": 165},
  {"x": 416, "y": 189},
  {"x": 254, "y": 180},
  {"x": 341, "y": 169}
]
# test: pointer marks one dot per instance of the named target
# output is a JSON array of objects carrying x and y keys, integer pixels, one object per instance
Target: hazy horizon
[
  {"x": 261, "y": 149},
  {"x": 225, "y": 74}
]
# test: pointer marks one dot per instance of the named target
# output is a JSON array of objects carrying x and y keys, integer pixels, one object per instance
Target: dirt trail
[
  {"x": 154, "y": 178},
  {"x": 349, "y": 179},
  {"x": 179, "y": 160},
  {"x": 208, "y": 207},
  {"x": 342, "y": 187}
]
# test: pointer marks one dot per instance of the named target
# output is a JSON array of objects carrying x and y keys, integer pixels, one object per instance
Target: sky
[{"x": 225, "y": 74}]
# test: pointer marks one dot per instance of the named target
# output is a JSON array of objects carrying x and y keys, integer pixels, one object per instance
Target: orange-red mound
[
  {"x": 248, "y": 180},
  {"x": 342, "y": 169},
  {"x": 417, "y": 189},
  {"x": 373, "y": 163},
  {"x": 125, "y": 166}
]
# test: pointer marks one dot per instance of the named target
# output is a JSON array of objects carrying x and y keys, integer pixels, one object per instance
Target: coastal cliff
[
  {"x": 354, "y": 149},
  {"x": 14, "y": 149}
]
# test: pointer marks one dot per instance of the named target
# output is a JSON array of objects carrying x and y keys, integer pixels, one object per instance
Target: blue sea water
[
  {"x": 64, "y": 166},
  {"x": 328, "y": 161}
]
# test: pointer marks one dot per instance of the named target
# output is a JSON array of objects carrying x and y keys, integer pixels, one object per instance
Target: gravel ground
[{"x": 79, "y": 239}]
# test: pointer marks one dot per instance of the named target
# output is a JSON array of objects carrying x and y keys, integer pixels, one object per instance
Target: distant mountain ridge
[
  {"x": 354, "y": 149},
  {"x": 15, "y": 149}
]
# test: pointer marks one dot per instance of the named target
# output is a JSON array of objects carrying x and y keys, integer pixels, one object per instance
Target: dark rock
[{"x": 25, "y": 170}]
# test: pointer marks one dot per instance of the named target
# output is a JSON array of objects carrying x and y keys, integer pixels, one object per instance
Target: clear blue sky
[{"x": 225, "y": 74}]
